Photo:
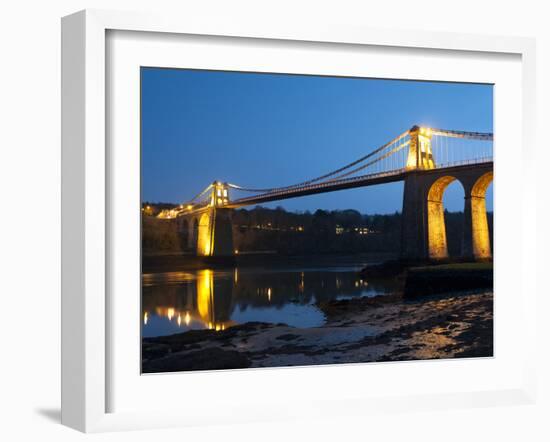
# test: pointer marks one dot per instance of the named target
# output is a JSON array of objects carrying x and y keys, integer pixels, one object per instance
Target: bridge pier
[
  {"x": 214, "y": 233},
  {"x": 423, "y": 231},
  {"x": 414, "y": 235},
  {"x": 476, "y": 243}
]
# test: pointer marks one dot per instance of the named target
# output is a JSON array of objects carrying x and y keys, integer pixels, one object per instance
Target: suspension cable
[
  {"x": 337, "y": 174},
  {"x": 201, "y": 194},
  {"x": 327, "y": 175}
]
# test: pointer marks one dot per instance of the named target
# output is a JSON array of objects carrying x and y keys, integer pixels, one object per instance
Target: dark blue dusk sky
[{"x": 270, "y": 130}]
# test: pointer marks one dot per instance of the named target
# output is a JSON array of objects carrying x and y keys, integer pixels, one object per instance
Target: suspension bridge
[{"x": 426, "y": 159}]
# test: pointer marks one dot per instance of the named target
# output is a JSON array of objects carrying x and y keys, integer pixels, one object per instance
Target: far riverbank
[{"x": 181, "y": 262}]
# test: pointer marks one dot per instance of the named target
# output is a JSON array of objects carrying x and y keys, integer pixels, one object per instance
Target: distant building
[{"x": 361, "y": 230}]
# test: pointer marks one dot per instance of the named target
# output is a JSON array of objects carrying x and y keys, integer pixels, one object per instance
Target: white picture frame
[{"x": 85, "y": 205}]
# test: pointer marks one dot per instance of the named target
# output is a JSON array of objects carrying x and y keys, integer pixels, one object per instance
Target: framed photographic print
[{"x": 322, "y": 215}]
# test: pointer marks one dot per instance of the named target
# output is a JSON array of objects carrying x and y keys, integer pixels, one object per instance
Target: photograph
[{"x": 299, "y": 220}]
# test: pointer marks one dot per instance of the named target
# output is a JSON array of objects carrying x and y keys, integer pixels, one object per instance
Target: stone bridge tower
[
  {"x": 423, "y": 223},
  {"x": 211, "y": 230}
]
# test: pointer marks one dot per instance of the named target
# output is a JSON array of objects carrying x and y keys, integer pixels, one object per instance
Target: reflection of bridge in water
[
  {"x": 426, "y": 159},
  {"x": 190, "y": 302},
  {"x": 216, "y": 300}
]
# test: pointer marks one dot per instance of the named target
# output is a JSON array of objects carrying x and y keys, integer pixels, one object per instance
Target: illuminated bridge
[{"x": 426, "y": 159}]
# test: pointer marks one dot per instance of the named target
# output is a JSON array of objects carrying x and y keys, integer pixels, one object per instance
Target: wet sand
[{"x": 383, "y": 328}]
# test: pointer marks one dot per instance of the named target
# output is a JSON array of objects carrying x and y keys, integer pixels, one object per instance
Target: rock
[
  {"x": 446, "y": 279},
  {"x": 335, "y": 308},
  {"x": 287, "y": 337},
  {"x": 383, "y": 270},
  {"x": 205, "y": 359},
  {"x": 154, "y": 351}
]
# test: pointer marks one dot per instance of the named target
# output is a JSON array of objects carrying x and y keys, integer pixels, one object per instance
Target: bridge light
[
  {"x": 426, "y": 131},
  {"x": 170, "y": 313},
  {"x": 189, "y": 206}
]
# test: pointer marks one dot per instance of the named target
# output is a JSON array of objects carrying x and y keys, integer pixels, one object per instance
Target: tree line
[{"x": 301, "y": 233}]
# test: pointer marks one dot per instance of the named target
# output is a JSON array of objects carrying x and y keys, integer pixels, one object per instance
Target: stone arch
[
  {"x": 481, "y": 241},
  {"x": 437, "y": 234}
]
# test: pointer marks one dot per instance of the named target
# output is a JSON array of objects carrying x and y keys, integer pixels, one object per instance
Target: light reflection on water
[{"x": 217, "y": 299}]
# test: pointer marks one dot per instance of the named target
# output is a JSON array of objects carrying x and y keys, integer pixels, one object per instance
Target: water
[{"x": 175, "y": 302}]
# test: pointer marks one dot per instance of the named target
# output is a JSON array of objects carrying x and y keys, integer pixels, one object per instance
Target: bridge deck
[{"x": 349, "y": 183}]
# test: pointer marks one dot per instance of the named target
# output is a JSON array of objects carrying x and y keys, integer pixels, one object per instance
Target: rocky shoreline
[{"x": 382, "y": 328}]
